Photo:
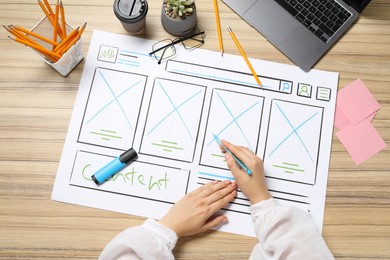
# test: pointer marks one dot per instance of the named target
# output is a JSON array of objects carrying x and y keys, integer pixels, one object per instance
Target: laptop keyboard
[{"x": 321, "y": 17}]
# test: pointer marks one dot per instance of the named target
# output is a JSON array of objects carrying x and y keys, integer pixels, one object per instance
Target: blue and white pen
[
  {"x": 114, "y": 166},
  {"x": 238, "y": 161}
]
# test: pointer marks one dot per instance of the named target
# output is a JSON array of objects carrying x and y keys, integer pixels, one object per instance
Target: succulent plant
[{"x": 179, "y": 8}]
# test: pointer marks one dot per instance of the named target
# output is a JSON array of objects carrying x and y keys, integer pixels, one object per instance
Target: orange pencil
[
  {"x": 62, "y": 11},
  {"x": 48, "y": 7},
  {"x": 19, "y": 34},
  {"x": 68, "y": 39},
  {"x": 244, "y": 56},
  {"x": 34, "y": 35},
  {"x": 47, "y": 53},
  {"x": 48, "y": 15},
  {"x": 82, "y": 29},
  {"x": 56, "y": 15},
  {"x": 69, "y": 45},
  {"x": 218, "y": 21}
]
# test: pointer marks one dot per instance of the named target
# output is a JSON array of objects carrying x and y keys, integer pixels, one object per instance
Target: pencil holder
[{"x": 70, "y": 59}]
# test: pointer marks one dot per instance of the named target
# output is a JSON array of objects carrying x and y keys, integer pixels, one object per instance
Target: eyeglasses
[{"x": 165, "y": 49}]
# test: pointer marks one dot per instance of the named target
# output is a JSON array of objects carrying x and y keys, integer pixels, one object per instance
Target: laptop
[{"x": 304, "y": 30}]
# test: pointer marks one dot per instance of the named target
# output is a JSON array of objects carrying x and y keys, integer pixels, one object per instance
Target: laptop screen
[{"x": 359, "y": 5}]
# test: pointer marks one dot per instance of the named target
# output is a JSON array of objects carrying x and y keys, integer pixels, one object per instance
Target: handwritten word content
[{"x": 151, "y": 181}]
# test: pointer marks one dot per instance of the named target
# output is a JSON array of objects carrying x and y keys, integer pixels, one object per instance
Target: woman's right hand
[{"x": 253, "y": 186}]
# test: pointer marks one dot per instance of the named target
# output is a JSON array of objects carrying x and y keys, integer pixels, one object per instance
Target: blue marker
[
  {"x": 238, "y": 161},
  {"x": 114, "y": 166}
]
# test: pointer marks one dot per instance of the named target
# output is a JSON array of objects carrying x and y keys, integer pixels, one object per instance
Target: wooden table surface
[{"x": 35, "y": 108}]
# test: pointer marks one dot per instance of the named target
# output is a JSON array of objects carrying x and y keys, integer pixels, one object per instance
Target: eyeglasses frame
[{"x": 174, "y": 42}]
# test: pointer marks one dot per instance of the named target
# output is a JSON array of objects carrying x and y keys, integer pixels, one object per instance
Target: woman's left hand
[{"x": 193, "y": 213}]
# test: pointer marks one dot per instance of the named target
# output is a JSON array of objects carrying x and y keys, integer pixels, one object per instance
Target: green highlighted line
[
  {"x": 288, "y": 168},
  {"x": 168, "y": 142},
  {"x": 108, "y": 131},
  {"x": 291, "y": 164},
  {"x": 106, "y": 135},
  {"x": 166, "y": 146},
  {"x": 217, "y": 155}
]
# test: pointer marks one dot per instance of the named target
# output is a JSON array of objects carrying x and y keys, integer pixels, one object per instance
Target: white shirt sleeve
[
  {"x": 283, "y": 232},
  {"x": 151, "y": 241},
  {"x": 286, "y": 232}
]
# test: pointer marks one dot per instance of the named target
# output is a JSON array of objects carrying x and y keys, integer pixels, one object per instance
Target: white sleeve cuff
[{"x": 167, "y": 234}]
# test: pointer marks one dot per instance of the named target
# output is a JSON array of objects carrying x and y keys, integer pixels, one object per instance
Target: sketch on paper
[
  {"x": 112, "y": 109},
  {"x": 293, "y": 141},
  {"x": 172, "y": 125},
  {"x": 235, "y": 117},
  {"x": 169, "y": 113}
]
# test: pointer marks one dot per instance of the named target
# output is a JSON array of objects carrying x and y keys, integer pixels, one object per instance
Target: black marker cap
[{"x": 128, "y": 156}]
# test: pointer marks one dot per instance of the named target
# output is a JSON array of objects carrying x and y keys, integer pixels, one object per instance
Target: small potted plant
[{"x": 178, "y": 17}]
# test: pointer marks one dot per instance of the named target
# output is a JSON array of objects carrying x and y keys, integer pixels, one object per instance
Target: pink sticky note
[
  {"x": 362, "y": 141},
  {"x": 356, "y": 102},
  {"x": 340, "y": 120}
]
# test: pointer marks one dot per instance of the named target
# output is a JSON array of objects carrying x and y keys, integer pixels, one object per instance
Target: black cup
[{"x": 132, "y": 14}]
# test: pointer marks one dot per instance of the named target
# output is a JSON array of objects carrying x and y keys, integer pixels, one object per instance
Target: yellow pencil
[
  {"x": 56, "y": 15},
  {"x": 65, "y": 41},
  {"x": 82, "y": 29},
  {"x": 34, "y": 34},
  {"x": 48, "y": 7},
  {"x": 19, "y": 34},
  {"x": 62, "y": 11},
  {"x": 48, "y": 54},
  {"x": 69, "y": 45},
  {"x": 244, "y": 56},
  {"x": 218, "y": 21}
]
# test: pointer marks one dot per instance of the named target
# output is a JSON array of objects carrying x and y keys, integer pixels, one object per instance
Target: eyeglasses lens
[
  {"x": 165, "y": 50},
  {"x": 194, "y": 42}
]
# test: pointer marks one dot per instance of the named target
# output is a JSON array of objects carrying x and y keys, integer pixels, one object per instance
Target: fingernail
[
  {"x": 224, "y": 221},
  {"x": 226, "y": 182}
]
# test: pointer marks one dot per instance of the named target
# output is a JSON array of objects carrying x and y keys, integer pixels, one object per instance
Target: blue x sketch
[
  {"x": 175, "y": 109},
  {"x": 115, "y": 99},
  {"x": 234, "y": 120},
  {"x": 293, "y": 132}
]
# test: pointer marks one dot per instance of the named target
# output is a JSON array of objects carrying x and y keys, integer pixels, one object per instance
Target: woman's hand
[
  {"x": 193, "y": 213},
  {"x": 253, "y": 186}
]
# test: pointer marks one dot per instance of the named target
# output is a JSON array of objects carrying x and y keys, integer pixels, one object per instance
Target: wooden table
[{"x": 35, "y": 108}]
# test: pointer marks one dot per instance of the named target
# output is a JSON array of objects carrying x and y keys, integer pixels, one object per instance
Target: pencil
[
  {"x": 48, "y": 7},
  {"x": 218, "y": 21},
  {"x": 82, "y": 29},
  {"x": 69, "y": 45},
  {"x": 34, "y": 35},
  {"x": 19, "y": 35},
  {"x": 244, "y": 56},
  {"x": 62, "y": 11},
  {"x": 47, "y": 53},
  {"x": 72, "y": 40},
  {"x": 65, "y": 41},
  {"x": 56, "y": 15},
  {"x": 47, "y": 13}
]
